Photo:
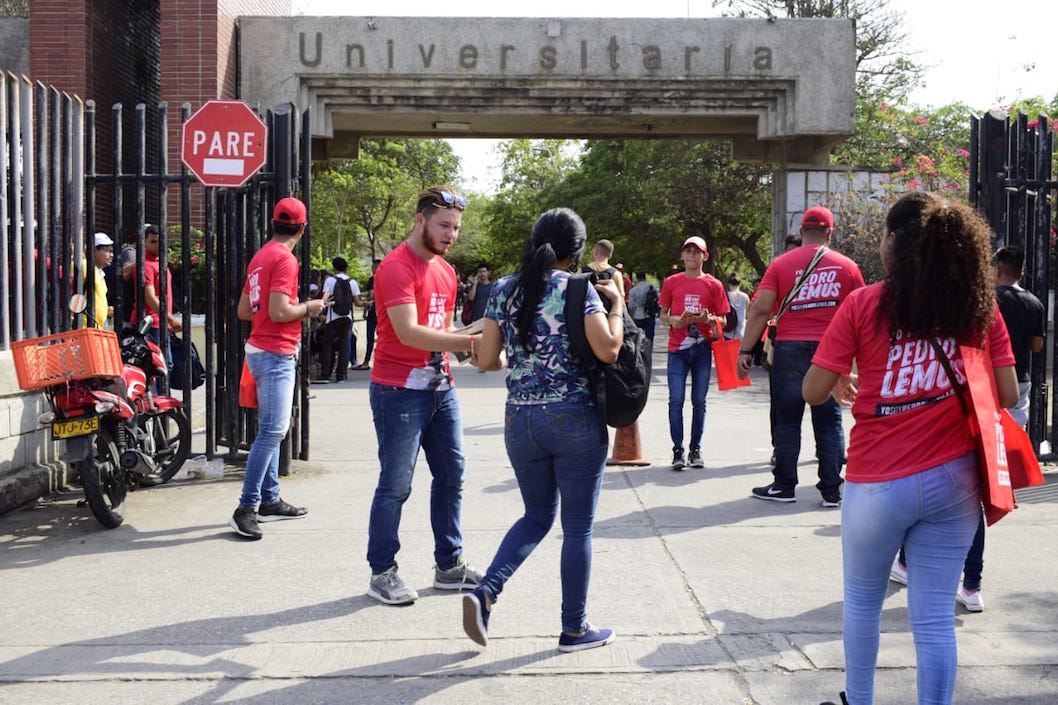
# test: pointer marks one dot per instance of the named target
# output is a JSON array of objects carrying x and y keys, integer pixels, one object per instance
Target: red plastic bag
[
  {"x": 1004, "y": 450},
  {"x": 247, "y": 388},
  {"x": 725, "y": 357}
]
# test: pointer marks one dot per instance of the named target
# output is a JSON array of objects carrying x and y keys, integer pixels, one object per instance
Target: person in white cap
[
  {"x": 104, "y": 255},
  {"x": 692, "y": 304}
]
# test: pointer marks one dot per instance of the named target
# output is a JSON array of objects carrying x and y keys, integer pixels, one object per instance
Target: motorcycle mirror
[
  {"x": 145, "y": 324},
  {"x": 78, "y": 303}
]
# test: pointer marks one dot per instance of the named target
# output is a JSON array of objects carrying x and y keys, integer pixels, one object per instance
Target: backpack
[
  {"x": 620, "y": 389},
  {"x": 732, "y": 317},
  {"x": 343, "y": 297},
  {"x": 595, "y": 276},
  {"x": 651, "y": 307}
]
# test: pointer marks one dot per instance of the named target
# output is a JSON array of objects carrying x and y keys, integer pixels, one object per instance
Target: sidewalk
[{"x": 715, "y": 597}]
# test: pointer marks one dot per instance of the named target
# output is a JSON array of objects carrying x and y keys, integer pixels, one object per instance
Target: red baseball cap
[
  {"x": 290, "y": 210},
  {"x": 817, "y": 217}
]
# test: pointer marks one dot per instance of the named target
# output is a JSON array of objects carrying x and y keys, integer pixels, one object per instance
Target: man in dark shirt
[{"x": 1023, "y": 314}]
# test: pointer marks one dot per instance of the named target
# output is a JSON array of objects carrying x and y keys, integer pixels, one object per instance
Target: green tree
[
  {"x": 531, "y": 172},
  {"x": 647, "y": 196},
  {"x": 364, "y": 207},
  {"x": 14, "y": 8}
]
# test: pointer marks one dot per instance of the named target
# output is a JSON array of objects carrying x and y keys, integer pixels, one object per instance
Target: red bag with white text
[{"x": 1004, "y": 449}]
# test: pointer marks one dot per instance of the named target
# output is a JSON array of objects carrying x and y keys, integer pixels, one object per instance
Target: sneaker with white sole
[
  {"x": 461, "y": 575},
  {"x": 898, "y": 573},
  {"x": 590, "y": 638},
  {"x": 387, "y": 587},
  {"x": 280, "y": 510},
  {"x": 972, "y": 600},
  {"x": 774, "y": 494},
  {"x": 476, "y": 617},
  {"x": 678, "y": 463},
  {"x": 694, "y": 458}
]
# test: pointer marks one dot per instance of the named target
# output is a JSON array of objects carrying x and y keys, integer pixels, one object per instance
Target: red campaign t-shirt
[
  {"x": 907, "y": 417},
  {"x": 273, "y": 269},
  {"x": 834, "y": 278},
  {"x": 403, "y": 277},
  {"x": 681, "y": 293},
  {"x": 152, "y": 277}
]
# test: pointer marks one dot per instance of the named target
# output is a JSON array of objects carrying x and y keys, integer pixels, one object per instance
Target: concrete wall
[{"x": 14, "y": 45}]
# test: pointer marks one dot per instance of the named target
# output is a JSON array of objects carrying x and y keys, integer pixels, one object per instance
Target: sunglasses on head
[{"x": 444, "y": 199}]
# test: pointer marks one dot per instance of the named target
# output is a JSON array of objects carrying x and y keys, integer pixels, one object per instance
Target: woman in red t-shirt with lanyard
[{"x": 912, "y": 474}]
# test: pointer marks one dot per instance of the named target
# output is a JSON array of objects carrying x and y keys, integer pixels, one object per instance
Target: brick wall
[{"x": 58, "y": 39}]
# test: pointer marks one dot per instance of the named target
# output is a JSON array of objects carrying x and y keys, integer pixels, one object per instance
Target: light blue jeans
[
  {"x": 405, "y": 420},
  {"x": 557, "y": 453},
  {"x": 934, "y": 513},
  {"x": 274, "y": 375}
]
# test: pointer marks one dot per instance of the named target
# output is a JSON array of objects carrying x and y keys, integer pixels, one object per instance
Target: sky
[{"x": 973, "y": 52}]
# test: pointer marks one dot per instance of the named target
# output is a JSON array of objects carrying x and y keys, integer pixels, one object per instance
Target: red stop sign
[{"x": 224, "y": 143}]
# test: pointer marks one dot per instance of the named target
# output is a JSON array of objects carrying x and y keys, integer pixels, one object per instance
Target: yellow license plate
[{"x": 75, "y": 427}]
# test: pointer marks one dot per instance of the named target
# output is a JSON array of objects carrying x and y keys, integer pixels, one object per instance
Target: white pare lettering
[{"x": 231, "y": 144}]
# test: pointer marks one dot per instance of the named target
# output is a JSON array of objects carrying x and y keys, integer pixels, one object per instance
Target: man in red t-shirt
[
  {"x": 270, "y": 302},
  {"x": 413, "y": 399},
  {"x": 152, "y": 287},
  {"x": 799, "y": 331},
  {"x": 693, "y": 304}
]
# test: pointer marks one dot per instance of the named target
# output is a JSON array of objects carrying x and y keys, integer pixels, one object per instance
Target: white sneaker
[
  {"x": 898, "y": 573},
  {"x": 970, "y": 599}
]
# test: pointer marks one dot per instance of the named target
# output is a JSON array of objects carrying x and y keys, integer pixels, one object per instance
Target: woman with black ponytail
[
  {"x": 912, "y": 474},
  {"x": 555, "y": 438}
]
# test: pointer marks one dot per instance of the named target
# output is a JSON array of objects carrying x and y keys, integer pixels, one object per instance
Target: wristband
[
  {"x": 615, "y": 314},
  {"x": 306, "y": 309}
]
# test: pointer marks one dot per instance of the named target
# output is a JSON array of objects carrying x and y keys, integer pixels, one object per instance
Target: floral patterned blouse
[{"x": 549, "y": 373}]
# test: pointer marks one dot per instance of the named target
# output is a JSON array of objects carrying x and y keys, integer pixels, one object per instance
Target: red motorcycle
[{"x": 119, "y": 433}]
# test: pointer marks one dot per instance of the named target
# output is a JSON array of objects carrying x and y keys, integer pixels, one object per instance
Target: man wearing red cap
[
  {"x": 270, "y": 302},
  {"x": 798, "y": 333},
  {"x": 693, "y": 304}
]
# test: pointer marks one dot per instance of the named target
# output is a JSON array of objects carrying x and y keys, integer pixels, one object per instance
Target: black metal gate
[
  {"x": 1011, "y": 184},
  {"x": 55, "y": 190}
]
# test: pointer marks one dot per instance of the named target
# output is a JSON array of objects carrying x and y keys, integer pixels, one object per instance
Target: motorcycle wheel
[
  {"x": 104, "y": 481},
  {"x": 171, "y": 432}
]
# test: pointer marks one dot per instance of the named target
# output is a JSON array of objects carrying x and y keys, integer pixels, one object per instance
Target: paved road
[{"x": 715, "y": 597}]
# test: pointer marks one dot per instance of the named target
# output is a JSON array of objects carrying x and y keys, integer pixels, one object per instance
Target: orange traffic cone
[{"x": 626, "y": 447}]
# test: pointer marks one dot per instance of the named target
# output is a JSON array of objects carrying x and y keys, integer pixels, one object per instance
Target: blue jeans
[
  {"x": 406, "y": 420},
  {"x": 698, "y": 361},
  {"x": 935, "y": 514},
  {"x": 647, "y": 325},
  {"x": 557, "y": 452},
  {"x": 792, "y": 360},
  {"x": 274, "y": 375}
]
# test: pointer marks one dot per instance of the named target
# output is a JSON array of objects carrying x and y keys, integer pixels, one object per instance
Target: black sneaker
[
  {"x": 321, "y": 380},
  {"x": 774, "y": 494},
  {"x": 678, "y": 462},
  {"x": 244, "y": 521},
  {"x": 832, "y": 500},
  {"x": 694, "y": 458},
  {"x": 279, "y": 511}
]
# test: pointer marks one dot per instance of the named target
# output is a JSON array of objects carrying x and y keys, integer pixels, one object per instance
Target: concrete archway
[{"x": 782, "y": 91}]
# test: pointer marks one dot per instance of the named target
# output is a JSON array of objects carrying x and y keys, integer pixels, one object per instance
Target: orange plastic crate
[{"x": 58, "y": 358}]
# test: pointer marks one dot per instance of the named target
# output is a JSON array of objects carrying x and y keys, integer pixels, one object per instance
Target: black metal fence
[
  {"x": 1011, "y": 184},
  {"x": 55, "y": 189}
]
